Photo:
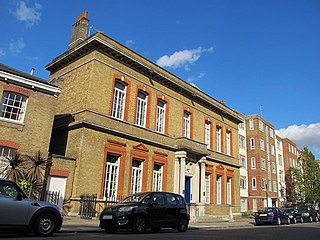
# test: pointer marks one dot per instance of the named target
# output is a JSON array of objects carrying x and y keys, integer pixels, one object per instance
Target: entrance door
[{"x": 187, "y": 191}]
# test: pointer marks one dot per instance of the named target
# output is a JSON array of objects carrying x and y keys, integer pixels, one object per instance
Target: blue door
[{"x": 187, "y": 187}]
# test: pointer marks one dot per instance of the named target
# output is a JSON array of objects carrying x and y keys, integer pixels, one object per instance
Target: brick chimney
[{"x": 79, "y": 30}]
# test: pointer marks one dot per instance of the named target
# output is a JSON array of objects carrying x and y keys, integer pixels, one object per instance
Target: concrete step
[{"x": 213, "y": 219}]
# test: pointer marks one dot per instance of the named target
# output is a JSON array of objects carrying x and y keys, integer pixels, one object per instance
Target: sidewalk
[{"x": 76, "y": 224}]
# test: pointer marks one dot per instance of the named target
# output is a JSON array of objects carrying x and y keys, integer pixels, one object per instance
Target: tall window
[
  {"x": 5, "y": 153},
  {"x": 136, "y": 178},
  {"x": 243, "y": 183},
  {"x": 207, "y": 188},
  {"x": 186, "y": 124},
  {"x": 141, "y": 114},
  {"x": 161, "y": 116},
  {"x": 261, "y": 126},
  {"x": 254, "y": 183},
  {"x": 262, "y": 144},
  {"x": 218, "y": 139},
  {"x": 263, "y": 164},
  {"x": 13, "y": 106},
  {"x": 111, "y": 179},
  {"x": 229, "y": 192},
  {"x": 207, "y": 135},
  {"x": 157, "y": 178},
  {"x": 219, "y": 194},
  {"x": 264, "y": 184},
  {"x": 242, "y": 142},
  {"x": 251, "y": 143},
  {"x": 243, "y": 162},
  {"x": 119, "y": 97},
  {"x": 274, "y": 170},
  {"x": 228, "y": 143},
  {"x": 253, "y": 163},
  {"x": 254, "y": 205},
  {"x": 280, "y": 159},
  {"x": 251, "y": 125}
]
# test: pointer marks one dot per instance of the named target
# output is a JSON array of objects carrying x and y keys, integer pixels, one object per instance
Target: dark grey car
[{"x": 19, "y": 213}]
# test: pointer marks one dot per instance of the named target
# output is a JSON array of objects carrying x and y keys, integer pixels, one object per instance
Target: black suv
[
  {"x": 146, "y": 210},
  {"x": 19, "y": 213}
]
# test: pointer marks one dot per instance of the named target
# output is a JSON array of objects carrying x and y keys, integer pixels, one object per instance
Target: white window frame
[
  {"x": 157, "y": 177},
  {"x": 254, "y": 205},
  {"x": 218, "y": 138},
  {"x": 253, "y": 163},
  {"x": 5, "y": 153},
  {"x": 207, "y": 188},
  {"x": 219, "y": 189},
  {"x": 274, "y": 186},
  {"x": 261, "y": 128},
  {"x": 242, "y": 142},
  {"x": 273, "y": 167},
  {"x": 136, "y": 176},
  {"x": 207, "y": 134},
  {"x": 252, "y": 143},
  {"x": 161, "y": 116},
  {"x": 280, "y": 159},
  {"x": 119, "y": 100},
  {"x": 229, "y": 190},
  {"x": 254, "y": 183},
  {"x": 251, "y": 124},
  {"x": 263, "y": 164},
  {"x": 271, "y": 133},
  {"x": 111, "y": 177},
  {"x": 264, "y": 184},
  {"x": 243, "y": 183},
  {"x": 228, "y": 143},
  {"x": 186, "y": 124},
  {"x": 261, "y": 144},
  {"x": 141, "y": 114},
  {"x": 243, "y": 161},
  {"x": 13, "y": 106}
]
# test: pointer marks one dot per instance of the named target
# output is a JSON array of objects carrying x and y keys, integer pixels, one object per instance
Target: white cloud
[
  {"x": 182, "y": 58},
  {"x": 129, "y": 43},
  {"x": 16, "y": 46},
  {"x": 193, "y": 79},
  {"x": 29, "y": 15},
  {"x": 303, "y": 136},
  {"x": 2, "y": 52}
]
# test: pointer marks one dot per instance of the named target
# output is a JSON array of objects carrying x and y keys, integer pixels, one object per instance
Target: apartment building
[
  {"x": 27, "y": 111},
  {"x": 281, "y": 173},
  {"x": 262, "y": 165},
  {"x": 124, "y": 125}
]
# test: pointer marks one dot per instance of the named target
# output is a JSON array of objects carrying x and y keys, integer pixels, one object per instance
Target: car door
[
  {"x": 172, "y": 210},
  {"x": 156, "y": 209},
  {"x": 13, "y": 211}
]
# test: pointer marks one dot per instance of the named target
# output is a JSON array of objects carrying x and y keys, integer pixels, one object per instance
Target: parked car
[
  {"x": 21, "y": 214},
  {"x": 145, "y": 210},
  {"x": 271, "y": 215},
  {"x": 309, "y": 213},
  {"x": 294, "y": 215}
]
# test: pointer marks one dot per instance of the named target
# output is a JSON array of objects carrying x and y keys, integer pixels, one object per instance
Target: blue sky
[{"x": 256, "y": 55}]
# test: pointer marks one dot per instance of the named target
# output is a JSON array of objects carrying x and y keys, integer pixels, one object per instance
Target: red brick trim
[
  {"x": 162, "y": 159},
  {"x": 59, "y": 173},
  {"x": 9, "y": 144},
  {"x": 10, "y": 88},
  {"x": 210, "y": 170}
]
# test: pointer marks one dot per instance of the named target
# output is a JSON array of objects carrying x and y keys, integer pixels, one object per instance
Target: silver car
[{"x": 22, "y": 214}]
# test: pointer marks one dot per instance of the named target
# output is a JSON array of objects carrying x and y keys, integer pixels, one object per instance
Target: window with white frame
[
  {"x": 280, "y": 159},
  {"x": 242, "y": 142},
  {"x": 274, "y": 186},
  {"x": 111, "y": 178},
  {"x": 219, "y": 194},
  {"x": 207, "y": 134},
  {"x": 241, "y": 125},
  {"x": 254, "y": 183},
  {"x": 228, "y": 143},
  {"x": 5, "y": 154},
  {"x": 207, "y": 188},
  {"x": 264, "y": 184},
  {"x": 281, "y": 176},
  {"x": 278, "y": 144},
  {"x": 161, "y": 116},
  {"x": 261, "y": 144},
  {"x": 119, "y": 98},
  {"x": 263, "y": 164},
  {"x": 229, "y": 192},
  {"x": 243, "y": 162},
  {"x": 141, "y": 114},
  {"x": 186, "y": 124},
  {"x": 157, "y": 177},
  {"x": 272, "y": 150},
  {"x": 274, "y": 170},
  {"x": 261, "y": 126},
  {"x": 13, "y": 106},
  {"x": 136, "y": 177},
  {"x": 218, "y": 139},
  {"x": 253, "y": 163},
  {"x": 251, "y": 124},
  {"x": 271, "y": 133},
  {"x": 251, "y": 143},
  {"x": 243, "y": 183}
]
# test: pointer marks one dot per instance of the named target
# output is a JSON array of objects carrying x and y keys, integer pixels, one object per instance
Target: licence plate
[
  {"x": 107, "y": 217},
  {"x": 263, "y": 215}
]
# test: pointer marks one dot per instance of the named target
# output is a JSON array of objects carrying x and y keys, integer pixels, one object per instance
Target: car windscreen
[{"x": 135, "y": 198}]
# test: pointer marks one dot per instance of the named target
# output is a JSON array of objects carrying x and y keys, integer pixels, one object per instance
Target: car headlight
[{"x": 126, "y": 209}]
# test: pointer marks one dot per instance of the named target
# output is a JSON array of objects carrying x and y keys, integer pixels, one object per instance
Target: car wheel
[
  {"x": 139, "y": 224},
  {"x": 183, "y": 224},
  {"x": 278, "y": 221},
  {"x": 316, "y": 219},
  {"x": 288, "y": 221},
  {"x": 111, "y": 229},
  {"x": 155, "y": 229},
  {"x": 302, "y": 220},
  {"x": 45, "y": 225},
  {"x": 294, "y": 220},
  {"x": 310, "y": 219}
]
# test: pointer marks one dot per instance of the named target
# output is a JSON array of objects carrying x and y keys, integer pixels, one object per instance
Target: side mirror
[{"x": 19, "y": 196}]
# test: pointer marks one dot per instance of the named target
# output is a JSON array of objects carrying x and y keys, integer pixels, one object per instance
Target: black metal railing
[{"x": 88, "y": 206}]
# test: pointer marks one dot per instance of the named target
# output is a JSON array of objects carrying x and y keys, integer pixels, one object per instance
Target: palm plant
[{"x": 15, "y": 169}]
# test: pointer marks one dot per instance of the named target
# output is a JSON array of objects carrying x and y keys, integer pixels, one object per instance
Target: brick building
[
  {"x": 124, "y": 124},
  {"x": 262, "y": 165},
  {"x": 26, "y": 113}
]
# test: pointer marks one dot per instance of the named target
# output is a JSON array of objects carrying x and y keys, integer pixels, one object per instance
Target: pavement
[{"x": 75, "y": 224}]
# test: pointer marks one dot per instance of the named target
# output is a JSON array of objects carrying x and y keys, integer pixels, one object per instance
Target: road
[{"x": 293, "y": 232}]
